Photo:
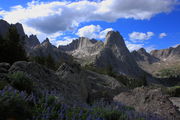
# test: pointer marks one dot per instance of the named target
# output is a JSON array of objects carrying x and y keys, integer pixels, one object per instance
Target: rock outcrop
[
  {"x": 46, "y": 48},
  {"x": 142, "y": 56},
  {"x": 170, "y": 53},
  {"x": 116, "y": 55},
  {"x": 31, "y": 41},
  {"x": 72, "y": 82},
  {"x": 147, "y": 100},
  {"x": 4, "y": 28},
  {"x": 88, "y": 85},
  {"x": 83, "y": 49},
  {"x": 157, "y": 60}
]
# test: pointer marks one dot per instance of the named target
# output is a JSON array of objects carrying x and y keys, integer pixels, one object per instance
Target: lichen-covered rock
[{"x": 149, "y": 100}]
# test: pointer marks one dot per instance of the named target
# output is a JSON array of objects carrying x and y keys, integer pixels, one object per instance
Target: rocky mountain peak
[
  {"x": 141, "y": 50},
  {"x": 32, "y": 41},
  {"x": 164, "y": 54},
  {"x": 4, "y": 27},
  {"x": 20, "y": 29},
  {"x": 142, "y": 56},
  {"x": 114, "y": 38},
  {"x": 46, "y": 42}
]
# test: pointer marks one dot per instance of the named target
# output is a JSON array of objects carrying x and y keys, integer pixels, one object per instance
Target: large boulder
[
  {"x": 87, "y": 85},
  {"x": 149, "y": 100}
]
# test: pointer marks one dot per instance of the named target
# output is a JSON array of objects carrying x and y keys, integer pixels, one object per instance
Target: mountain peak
[
  {"x": 46, "y": 41},
  {"x": 4, "y": 27},
  {"x": 141, "y": 50},
  {"x": 114, "y": 37}
]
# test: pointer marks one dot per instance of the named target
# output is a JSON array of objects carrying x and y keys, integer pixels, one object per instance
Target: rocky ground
[
  {"x": 150, "y": 101},
  {"x": 83, "y": 86}
]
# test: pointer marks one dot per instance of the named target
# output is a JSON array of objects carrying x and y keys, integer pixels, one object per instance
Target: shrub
[
  {"x": 20, "y": 81},
  {"x": 11, "y": 47},
  {"x": 14, "y": 105},
  {"x": 3, "y": 84},
  {"x": 173, "y": 91}
]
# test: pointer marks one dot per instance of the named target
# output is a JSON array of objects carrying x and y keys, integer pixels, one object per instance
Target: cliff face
[
  {"x": 116, "y": 55},
  {"x": 141, "y": 56},
  {"x": 172, "y": 52},
  {"x": 46, "y": 48},
  {"x": 83, "y": 49},
  {"x": 4, "y": 28},
  {"x": 158, "y": 60}
]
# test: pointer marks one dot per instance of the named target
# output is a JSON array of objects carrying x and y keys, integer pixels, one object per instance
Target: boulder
[
  {"x": 4, "y": 67},
  {"x": 87, "y": 85},
  {"x": 147, "y": 100}
]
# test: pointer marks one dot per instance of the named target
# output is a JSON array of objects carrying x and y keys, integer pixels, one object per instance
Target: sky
[{"x": 152, "y": 24}]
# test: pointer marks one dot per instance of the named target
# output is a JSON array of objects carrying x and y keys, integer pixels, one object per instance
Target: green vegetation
[
  {"x": 173, "y": 91},
  {"x": 128, "y": 81},
  {"x": 3, "y": 84},
  {"x": 169, "y": 72},
  {"x": 21, "y": 82},
  {"x": 11, "y": 47}
]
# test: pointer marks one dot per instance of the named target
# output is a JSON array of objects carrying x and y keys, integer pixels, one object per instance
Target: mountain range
[{"x": 112, "y": 53}]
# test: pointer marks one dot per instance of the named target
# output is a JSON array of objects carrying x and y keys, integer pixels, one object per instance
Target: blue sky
[{"x": 153, "y": 24}]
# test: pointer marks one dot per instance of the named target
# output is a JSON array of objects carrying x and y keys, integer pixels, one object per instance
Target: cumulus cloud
[
  {"x": 131, "y": 46},
  {"x": 136, "y": 46},
  {"x": 55, "y": 16},
  {"x": 65, "y": 41},
  {"x": 140, "y": 37},
  {"x": 162, "y": 35},
  {"x": 93, "y": 31}
]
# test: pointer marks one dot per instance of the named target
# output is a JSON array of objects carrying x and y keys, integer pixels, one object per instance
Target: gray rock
[
  {"x": 147, "y": 100},
  {"x": 4, "y": 28},
  {"x": 142, "y": 56},
  {"x": 157, "y": 60},
  {"x": 172, "y": 52},
  {"x": 112, "y": 53},
  {"x": 31, "y": 41},
  {"x": 73, "y": 83},
  {"x": 88, "y": 86},
  {"x": 5, "y": 65},
  {"x": 83, "y": 49},
  {"x": 116, "y": 55},
  {"x": 46, "y": 48}
]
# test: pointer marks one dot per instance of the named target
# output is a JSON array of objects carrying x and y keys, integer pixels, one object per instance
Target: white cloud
[
  {"x": 150, "y": 48},
  {"x": 136, "y": 46},
  {"x": 55, "y": 16},
  {"x": 162, "y": 35},
  {"x": 93, "y": 31},
  {"x": 103, "y": 33},
  {"x": 140, "y": 37},
  {"x": 90, "y": 31},
  {"x": 65, "y": 41},
  {"x": 132, "y": 46}
]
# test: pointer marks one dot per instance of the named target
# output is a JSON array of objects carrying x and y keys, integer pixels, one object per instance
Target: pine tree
[{"x": 11, "y": 48}]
